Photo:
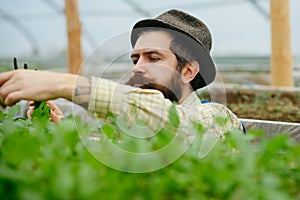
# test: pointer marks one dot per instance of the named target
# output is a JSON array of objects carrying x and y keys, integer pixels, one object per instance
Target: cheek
[{"x": 165, "y": 75}]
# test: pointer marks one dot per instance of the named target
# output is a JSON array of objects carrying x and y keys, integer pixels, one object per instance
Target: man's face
[{"x": 155, "y": 65}]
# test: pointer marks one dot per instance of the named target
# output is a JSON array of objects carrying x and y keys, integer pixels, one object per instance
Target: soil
[{"x": 271, "y": 105}]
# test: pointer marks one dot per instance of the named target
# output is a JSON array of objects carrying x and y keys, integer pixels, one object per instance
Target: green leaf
[
  {"x": 2, "y": 114},
  {"x": 173, "y": 117},
  {"x": 12, "y": 111},
  {"x": 43, "y": 111},
  {"x": 18, "y": 148},
  {"x": 108, "y": 131}
]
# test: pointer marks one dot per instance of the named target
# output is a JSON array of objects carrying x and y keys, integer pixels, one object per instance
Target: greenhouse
[{"x": 130, "y": 99}]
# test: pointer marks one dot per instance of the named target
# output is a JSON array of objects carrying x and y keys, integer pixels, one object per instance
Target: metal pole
[{"x": 281, "y": 58}]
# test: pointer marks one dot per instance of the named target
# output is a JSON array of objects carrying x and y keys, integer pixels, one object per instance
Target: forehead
[{"x": 154, "y": 40}]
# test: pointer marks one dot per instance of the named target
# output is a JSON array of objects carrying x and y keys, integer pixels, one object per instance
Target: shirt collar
[{"x": 191, "y": 100}]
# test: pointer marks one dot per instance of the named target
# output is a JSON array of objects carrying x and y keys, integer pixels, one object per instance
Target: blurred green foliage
[
  {"x": 5, "y": 68},
  {"x": 42, "y": 160}
]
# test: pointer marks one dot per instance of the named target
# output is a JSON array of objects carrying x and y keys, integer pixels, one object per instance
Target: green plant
[{"x": 42, "y": 160}]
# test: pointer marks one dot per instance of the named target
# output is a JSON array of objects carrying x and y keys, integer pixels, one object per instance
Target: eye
[
  {"x": 134, "y": 60},
  {"x": 153, "y": 59}
]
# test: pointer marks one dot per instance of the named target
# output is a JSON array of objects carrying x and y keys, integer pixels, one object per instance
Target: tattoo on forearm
[
  {"x": 82, "y": 93},
  {"x": 82, "y": 90}
]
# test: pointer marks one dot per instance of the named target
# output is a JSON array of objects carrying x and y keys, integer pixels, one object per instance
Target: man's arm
[
  {"x": 100, "y": 96},
  {"x": 39, "y": 85}
]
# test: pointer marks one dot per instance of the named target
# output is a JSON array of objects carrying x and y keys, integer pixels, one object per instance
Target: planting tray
[{"x": 272, "y": 128}]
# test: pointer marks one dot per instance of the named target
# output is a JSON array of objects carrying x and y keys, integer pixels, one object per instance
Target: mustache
[
  {"x": 150, "y": 84},
  {"x": 138, "y": 79}
]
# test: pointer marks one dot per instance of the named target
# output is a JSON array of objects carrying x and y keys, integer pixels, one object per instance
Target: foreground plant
[{"x": 42, "y": 160}]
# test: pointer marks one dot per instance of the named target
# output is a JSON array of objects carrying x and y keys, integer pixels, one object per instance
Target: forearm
[
  {"x": 75, "y": 88},
  {"x": 81, "y": 91}
]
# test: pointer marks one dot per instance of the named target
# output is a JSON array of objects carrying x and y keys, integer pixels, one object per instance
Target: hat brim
[{"x": 207, "y": 70}]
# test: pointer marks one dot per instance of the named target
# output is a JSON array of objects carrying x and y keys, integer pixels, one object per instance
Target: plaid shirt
[{"x": 151, "y": 107}]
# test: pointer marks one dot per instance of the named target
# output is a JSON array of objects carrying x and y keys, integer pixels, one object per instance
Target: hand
[
  {"x": 35, "y": 85},
  {"x": 55, "y": 113}
]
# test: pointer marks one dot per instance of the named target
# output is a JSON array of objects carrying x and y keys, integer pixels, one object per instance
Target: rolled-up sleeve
[
  {"x": 151, "y": 107},
  {"x": 146, "y": 105}
]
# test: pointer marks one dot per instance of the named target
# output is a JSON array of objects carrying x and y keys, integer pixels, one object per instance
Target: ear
[{"x": 189, "y": 71}]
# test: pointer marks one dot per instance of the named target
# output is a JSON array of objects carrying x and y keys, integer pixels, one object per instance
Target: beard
[{"x": 172, "y": 90}]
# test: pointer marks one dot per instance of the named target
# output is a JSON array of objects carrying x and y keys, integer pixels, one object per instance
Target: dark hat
[{"x": 195, "y": 29}]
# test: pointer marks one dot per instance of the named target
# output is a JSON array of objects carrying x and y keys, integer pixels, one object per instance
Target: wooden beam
[
  {"x": 281, "y": 58},
  {"x": 74, "y": 36}
]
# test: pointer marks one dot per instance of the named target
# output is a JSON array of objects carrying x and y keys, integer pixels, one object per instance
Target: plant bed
[
  {"x": 261, "y": 102},
  {"x": 42, "y": 160}
]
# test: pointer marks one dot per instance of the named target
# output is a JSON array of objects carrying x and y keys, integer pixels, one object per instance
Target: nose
[{"x": 139, "y": 67}]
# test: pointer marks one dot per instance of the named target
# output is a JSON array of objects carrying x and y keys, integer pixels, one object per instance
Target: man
[{"x": 171, "y": 61}]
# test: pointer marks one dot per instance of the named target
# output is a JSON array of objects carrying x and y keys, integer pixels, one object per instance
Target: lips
[{"x": 139, "y": 85}]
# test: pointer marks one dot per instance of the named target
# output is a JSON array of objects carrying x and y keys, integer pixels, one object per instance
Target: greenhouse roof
[{"x": 38, "y": 27}]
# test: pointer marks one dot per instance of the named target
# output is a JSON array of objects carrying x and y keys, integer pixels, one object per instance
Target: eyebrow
[{"x": 147, "y": 53}]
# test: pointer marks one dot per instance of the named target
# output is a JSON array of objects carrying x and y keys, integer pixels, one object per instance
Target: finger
[
  {"x": 25, "y": 83},
  {"x": 54, "y": 108},
  {"x": 13, "y": 98},
  {"x": 56, "y": 115},
  {"x": 10, "y": 83},
  {"x": 29, "y": 112},
  {"x": 11, "y": 90},
  {"x": 31, "y": 103},
  {"x": 51, "y": 104},
  {"x": 4, "y": 76},
  {"x": 7, "y": 88},
  {"x": 55, "y": 118}
]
